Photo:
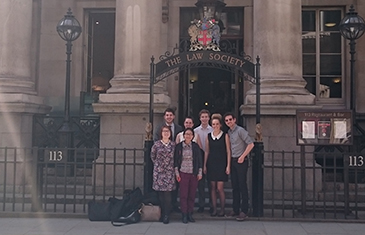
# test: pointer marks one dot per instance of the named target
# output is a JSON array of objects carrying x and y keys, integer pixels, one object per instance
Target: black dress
[{"x": 217, "y": 159}]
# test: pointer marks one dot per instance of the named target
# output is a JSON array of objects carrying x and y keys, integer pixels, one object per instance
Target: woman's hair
[
  {"x": 189, "y": 129},
  {"x": 166, "y": 127},
  {"x": 217, "y": 116}
]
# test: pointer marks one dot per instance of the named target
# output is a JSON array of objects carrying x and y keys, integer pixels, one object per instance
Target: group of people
[{"x": 186, "y": 158}]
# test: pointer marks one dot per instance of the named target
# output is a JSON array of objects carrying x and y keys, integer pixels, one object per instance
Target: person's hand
[
  {"x": 205, "y": 170},
  {"x": 241, "y": 159},
  {"x": 199, "y": 177},
  {"x": 228, "y": 170},
  {"x": 178, "y": 178}
]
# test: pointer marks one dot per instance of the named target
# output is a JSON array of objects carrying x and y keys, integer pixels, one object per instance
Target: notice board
[{"x": 324, "y": 127}]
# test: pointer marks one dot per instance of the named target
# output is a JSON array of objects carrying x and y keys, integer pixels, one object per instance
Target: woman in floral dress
[{"x": 162, "y": 156}]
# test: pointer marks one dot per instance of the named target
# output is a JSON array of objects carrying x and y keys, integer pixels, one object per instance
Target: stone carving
[
  {"x": 148, "y": 130},
  {"x": 258, "y": 131}
]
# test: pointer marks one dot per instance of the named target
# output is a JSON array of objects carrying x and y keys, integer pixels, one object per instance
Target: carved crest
[{"x": 204, "y": 35}]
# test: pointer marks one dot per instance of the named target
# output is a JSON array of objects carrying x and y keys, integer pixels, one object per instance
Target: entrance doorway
[
  {"x": 99, "y": 56},
  {"x": 216, "y": 90}
]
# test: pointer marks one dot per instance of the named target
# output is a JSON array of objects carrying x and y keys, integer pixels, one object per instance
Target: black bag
[
  {"x": 132, "y": 201},
  {"x": 98, "y": 211},
  {"x": 126, "y": 210},
  {"x": 132, "y": 218},
  {"x": 116, "y": 208}
]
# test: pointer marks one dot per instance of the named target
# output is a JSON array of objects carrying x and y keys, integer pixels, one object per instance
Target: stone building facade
[{"x": 305, "y": 64}]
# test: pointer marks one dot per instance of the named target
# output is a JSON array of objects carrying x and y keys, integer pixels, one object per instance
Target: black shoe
[
  {"x": 184, "y": 218},
  {"x": 190, "y": 217},
  {"x": 201, "y": 209},
  {"x": 166, "y": 219},
  {"x": 211, "y": 210}
]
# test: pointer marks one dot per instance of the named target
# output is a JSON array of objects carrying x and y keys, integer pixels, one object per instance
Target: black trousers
[
  {"x": 239, "y": 185},
  {"x": 165, "y": 202}
]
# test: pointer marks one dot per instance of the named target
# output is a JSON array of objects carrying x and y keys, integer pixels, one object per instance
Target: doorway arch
[{"x": 181, "y": 58}]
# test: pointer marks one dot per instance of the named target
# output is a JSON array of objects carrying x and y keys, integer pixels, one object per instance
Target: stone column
[
  {"x": 15, "y": 45},
  {"x": 277, "y": 40},
  {"x": 18, "y": 100},
  {"x": 124, "y": 109}
]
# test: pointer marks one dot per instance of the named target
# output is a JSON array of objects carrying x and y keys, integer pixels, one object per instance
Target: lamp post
[
  {"x": 69, "y": 30},
  {"x": 352, "y": 27}
]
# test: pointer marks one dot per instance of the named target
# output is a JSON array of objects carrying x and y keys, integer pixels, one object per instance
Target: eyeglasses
[{"x": 228, "y": 119}]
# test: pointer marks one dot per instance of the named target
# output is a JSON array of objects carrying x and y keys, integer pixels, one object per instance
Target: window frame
[{"x": 344, "y": 81}]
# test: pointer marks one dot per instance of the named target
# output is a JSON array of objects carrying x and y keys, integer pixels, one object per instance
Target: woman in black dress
[{"x": 217, "y": 163}]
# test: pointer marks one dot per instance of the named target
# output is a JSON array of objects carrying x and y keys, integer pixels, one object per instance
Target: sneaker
[
  {"x": 241, "y": 217},
  {"x": 201, "y": 209}
]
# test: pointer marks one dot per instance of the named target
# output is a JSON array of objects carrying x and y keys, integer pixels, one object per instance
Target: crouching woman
[{"x": 188, "y": 170}]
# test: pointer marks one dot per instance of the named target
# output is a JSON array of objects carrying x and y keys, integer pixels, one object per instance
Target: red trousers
[{"x": 188, "y": 186}]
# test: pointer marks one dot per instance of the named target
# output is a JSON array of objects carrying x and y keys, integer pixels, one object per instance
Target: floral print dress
[{"x": 162, "y": 157}]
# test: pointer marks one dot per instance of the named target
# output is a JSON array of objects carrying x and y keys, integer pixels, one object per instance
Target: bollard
[{"x": 258, "y": 180}]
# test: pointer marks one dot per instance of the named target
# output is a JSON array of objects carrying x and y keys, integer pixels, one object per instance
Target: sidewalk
[{"x": 82, "y": 226}]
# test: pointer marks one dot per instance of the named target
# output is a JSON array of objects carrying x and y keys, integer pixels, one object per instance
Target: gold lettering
[
  {"x": 199, "y": 56},
  {"x": 174, "y": 61},
  {"x": 223, "y": 59},
  {"x": 211, "y": 56},
  {"x": 188, "y": 58},
  {"x": 231, "y": 61},
  {"x": 217, "y": 57},
  {"x": 242, "y": 63},
  {"x": 195, "y": 56}
]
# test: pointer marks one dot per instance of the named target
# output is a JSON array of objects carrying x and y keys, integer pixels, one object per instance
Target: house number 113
[
  {"x": 55, "y": 156},
  {"x": 356, "y": 160}
]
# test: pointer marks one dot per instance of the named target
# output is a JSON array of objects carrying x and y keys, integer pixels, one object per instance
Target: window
[{"x": 322, "y": 53}]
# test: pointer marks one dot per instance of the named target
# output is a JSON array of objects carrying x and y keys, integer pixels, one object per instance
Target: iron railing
[
  {"x": 296, "y": 185},
  {"x": 46, "y": 180},
  {"x": 321, "y": 185}
]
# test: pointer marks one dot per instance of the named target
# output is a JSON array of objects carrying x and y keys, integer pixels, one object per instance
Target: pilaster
[
  {"x": 277, "y": 40},
  {"x": 18, "y": 98}
]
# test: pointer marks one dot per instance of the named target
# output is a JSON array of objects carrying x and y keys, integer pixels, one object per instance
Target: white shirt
[{"x": 203, "y": 133}]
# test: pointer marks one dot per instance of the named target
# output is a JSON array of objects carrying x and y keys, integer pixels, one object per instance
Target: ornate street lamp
[
  {"x": 352, "y": 27},
  {"x": 210, "y": 9},
  {"x": 69, "y": 30}
]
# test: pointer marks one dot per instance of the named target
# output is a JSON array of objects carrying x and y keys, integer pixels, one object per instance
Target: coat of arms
[{"x": 204, "y": 35}]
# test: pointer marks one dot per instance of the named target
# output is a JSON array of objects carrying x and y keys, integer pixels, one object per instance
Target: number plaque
[{"x": 55, "y": 155}]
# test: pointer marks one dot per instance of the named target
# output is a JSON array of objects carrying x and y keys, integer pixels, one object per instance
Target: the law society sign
[
  {"x": 169, "y": 64},
  {"x": 317, "y": 127}
]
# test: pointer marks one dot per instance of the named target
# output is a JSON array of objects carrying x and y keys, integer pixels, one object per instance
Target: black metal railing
[
  {"x": 314, "y": 185},
  {"x": 44, "y": 179},
  {"x": 85, "y": 131},
  {"x": 296, "y": 185}
]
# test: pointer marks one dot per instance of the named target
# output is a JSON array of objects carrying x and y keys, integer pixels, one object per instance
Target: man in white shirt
[{"x": 203, "y": 130}]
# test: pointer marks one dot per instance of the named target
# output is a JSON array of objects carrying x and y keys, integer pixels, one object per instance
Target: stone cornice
[{"x": 275, "y": 110}]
